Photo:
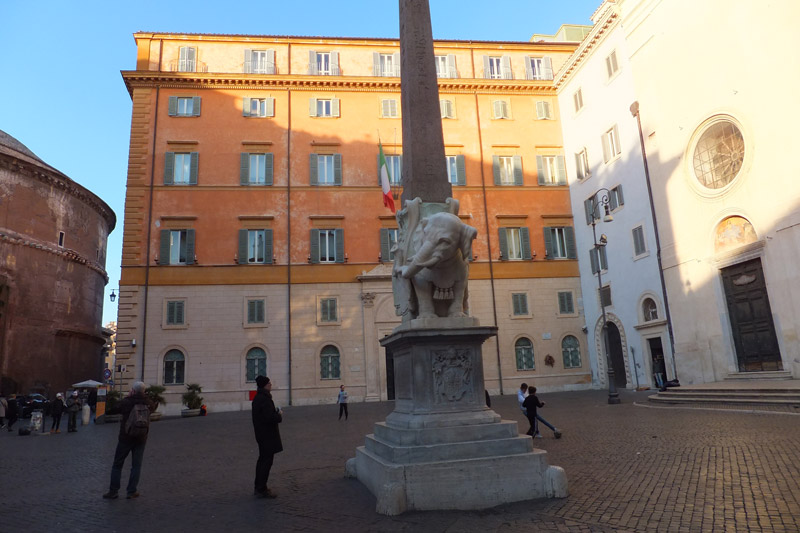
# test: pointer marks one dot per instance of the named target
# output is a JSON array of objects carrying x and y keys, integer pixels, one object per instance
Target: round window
[{"x": 718, "y": 154}]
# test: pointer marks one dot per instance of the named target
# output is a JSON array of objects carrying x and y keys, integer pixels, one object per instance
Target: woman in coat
[{"x": 266, "y": 418}]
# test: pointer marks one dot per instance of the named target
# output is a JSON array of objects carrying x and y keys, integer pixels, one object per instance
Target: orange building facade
[{"x": 255, "y": 235}]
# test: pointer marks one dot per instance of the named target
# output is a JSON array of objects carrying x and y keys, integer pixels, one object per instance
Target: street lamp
[
  {"x": 600, "y": 200},
  {"x": 112, "y": 296}
]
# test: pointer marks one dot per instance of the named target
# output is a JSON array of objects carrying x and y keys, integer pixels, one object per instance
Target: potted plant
[
  {"x": 154, "y": 394},
  {"x": 113, "y": 397},
  {"x": 192, "y": 400}
]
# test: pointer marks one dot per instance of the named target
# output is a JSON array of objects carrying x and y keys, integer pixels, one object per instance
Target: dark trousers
[
  {"x": 11, "y": 422},
  {"x": 342, "y": 409},
  {"x": 73, "y": 421},
  {"x": 56, "y": 422},
  {"x": 263, "y": 466},
  {"x": 545, "y": 422},
  {"x": 136, "y": 449},
  {"x": 534, "y": 429}
]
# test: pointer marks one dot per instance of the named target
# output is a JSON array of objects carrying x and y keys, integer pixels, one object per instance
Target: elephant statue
[{"x": 434, "y": 259}]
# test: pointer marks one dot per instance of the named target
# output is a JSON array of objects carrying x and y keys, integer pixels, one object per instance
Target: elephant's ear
[{"x": 468, "y": 234}]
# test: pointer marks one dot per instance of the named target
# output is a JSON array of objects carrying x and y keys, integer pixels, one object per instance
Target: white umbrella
[{"x": 87, "y": 383}]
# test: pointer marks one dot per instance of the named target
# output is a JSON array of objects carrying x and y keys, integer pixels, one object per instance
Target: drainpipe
[{"x": 289, "y": 238}]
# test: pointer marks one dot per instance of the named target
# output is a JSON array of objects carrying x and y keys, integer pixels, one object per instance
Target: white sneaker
[{"x": 538, "y": 436}]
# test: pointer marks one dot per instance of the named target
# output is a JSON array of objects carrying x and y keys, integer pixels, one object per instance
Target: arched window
[
  {"x": 256, "y": 363},
  {"x": 571, "y": 352},
  {"x": 649, "y": 310},
  {"x": 174, "y": 363},
  {"x": 523, "y": 349},
  {"x": 329, "y": 363}
]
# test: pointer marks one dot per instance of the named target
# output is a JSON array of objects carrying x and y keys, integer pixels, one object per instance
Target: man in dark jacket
[
  {"x": 128, "y": 444},
  {"x": 266, "y": 418},
  {"x": 73, "y": 408}
]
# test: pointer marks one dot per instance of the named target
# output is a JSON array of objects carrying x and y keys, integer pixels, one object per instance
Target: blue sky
[{"x": 61, "y": 93}]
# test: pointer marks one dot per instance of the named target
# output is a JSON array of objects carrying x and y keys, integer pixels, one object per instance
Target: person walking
[
  {"x": 3, "y": 410},
  {"x": 342, "y": 401},
  {"x": 73, "y": 408},
  {"x": 522, "y": 393},
  {"x": 133, "y": 431},
  {"x": 12, "y": 411},
  {"x": 266, "y": 418},
  {"x": 56, "y": 409}
]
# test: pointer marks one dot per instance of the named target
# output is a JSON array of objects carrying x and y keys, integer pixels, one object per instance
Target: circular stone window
[{"x": 719, "y": 154}]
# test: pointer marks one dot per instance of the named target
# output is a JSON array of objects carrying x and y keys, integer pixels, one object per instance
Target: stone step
[
  {"x": 757, "y": 376},
  {"x": 450, "y": 451},
  {"x": 685, "y": 399},
  {"x": 786, "y": 394},
  {"x": 439, "y": 435}
]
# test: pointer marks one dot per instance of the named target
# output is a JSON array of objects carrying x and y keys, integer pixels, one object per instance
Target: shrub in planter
[
  {"x": 155, "y": 393},
  {"x": 113, "y": 397},
  {"x": 192, "y": 398}
]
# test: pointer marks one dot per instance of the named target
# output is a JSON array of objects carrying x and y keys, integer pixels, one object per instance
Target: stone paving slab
[{"x": 630, "y": 469}]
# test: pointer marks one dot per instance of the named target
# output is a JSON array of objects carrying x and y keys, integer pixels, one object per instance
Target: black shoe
[
  {"x": 260, "y": 493},
  {"x": 132, "y": 495},
  {"x": 111, "y": 495},
  {"x": 557, "y": 433},
  {"x": 271, "y": 495}
]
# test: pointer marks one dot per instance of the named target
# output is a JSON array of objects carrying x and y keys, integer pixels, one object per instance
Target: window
[
  {"x": 523, "y": 349},
  {"x": 610, "y": 142},
  {"x": 323, "y": 107},
  {"x": 258, "y": 107},
  {"x": 519, "y": 303},
  {"x": 501, "y": 109},
  {"x": 259, "y": 61},
  {"x": 538, "y": 68},
  {"x": 649, "y": 310},
  {"x": 323, "y": 63},
  {"x": 551, "y": 170},
  {"x": 559, "y": 243},
  {"x": 497, "y": 68},
  {"x": 639, "y": 244},
  {"x": 256, "y": 363},
  {"x": 61, "y": 236},
  {"x": 184, "y": 106},
  {"x": 180, "y": 168},
  {"x": 175, "y": 313},
  {"x": 456, "y": 169},
  {"x": 328, "y": 311},
  {"x": 543, "y": 110},
  {"x": 256, "y": 169},
  {"x": 388, "y": 242},
  {"x": 187, "y": 59},
  {"x": 256, "y": 311},
  {"x": 577, "y": 99},
  {"x": 611, "y": 64},
  {"x": 565, "y": 303},
  {"x": 448, "y": 108},
  {"x": 177, "y": 247},
  {"x": 326, "y": 169},
  {"x": 515, "y": 243},
  {"x": 719, "y": 154},
  {"x": 446, "y": 66},
  {"x": 327, "y": 246},
  {"x": 605, "y": 296},
  {"x": 389, "y": 108},
  {"x": 174, "y": 362},
  {"x": 571, "y": 352},
  {"x": 582, "y": 165},
  {"x": 256, "y": 246},
  {"x": 386, "y": 64},
  {"x": 329, "y": 363},
  {"x": 394, "y": 163},
  {"x": 598, "y": 259},
  {"x": 507, "y": 170}
]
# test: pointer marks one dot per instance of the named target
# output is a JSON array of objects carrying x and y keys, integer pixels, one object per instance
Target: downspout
[{"x": 289, "y": 228}]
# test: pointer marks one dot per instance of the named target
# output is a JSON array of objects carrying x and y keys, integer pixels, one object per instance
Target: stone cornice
[
  {"x": 197, "y": 80},
  {"x": 64, "y": 253},
  {"x": 607, "y": 22},
  {"x": 53, "y": 178}
]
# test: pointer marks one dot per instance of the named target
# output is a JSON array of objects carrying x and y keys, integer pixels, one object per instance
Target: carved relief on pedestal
[{"x": 452, "y": 374}]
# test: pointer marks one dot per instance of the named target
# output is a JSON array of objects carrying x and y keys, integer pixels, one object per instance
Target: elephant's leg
[
  {"x": 424, "y": 291},
  {"x": 456, "y": 308}
]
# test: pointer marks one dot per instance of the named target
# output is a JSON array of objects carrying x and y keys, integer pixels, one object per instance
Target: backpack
[{"x": 138, "y": 423}]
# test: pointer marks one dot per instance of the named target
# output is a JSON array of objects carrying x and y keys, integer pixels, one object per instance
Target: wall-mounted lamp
[
  {"x": 133, "y": 343},
  {"x": 603, "y": 239},
  {"x": 533, "y": 254},
  {"x": 113, "y": 295}
]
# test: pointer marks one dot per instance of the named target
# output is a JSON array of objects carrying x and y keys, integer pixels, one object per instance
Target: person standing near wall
[
  {"x": 73, "y": 408},
  {"x": 56, "y": 410},
  {"x": 342, "y": 401},
  {"x": 266, "y": 418}
]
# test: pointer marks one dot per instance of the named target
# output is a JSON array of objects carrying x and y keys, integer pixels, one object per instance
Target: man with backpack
[{"x": 133, "y": 429}]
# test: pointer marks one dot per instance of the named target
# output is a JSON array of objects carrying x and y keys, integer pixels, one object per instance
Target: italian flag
[{"x": 388, "y": 201}]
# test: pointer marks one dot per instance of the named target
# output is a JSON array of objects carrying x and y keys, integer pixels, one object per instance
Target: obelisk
[{"x": 424, "y": 167}]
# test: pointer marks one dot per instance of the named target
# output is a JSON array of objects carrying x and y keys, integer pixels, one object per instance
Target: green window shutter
[
  {"x": 570, "y": 305},
  {"x": 163, "y": 249},
  {"x": 603, "y": 257},
  {"x": 270, "y": 107},
  {"x": 172, "y": 108},
  {"x": 396, "y": 63},
  {"x": 337, "y": 169},
  {"x": 248, "y": 61},
  {"x": 245, "y": 106},
  {"x": 314, "y": 246},
  {"x": 271, "y": 62},
  {"x": 548, "y": 243},
  {"x": 170, "y": 312},
  {"x": 244, "y": 169},
  {"x": 525, "y": 238},
  {"x": 189, "y": 246},
  {"x": 503, "y": 239},
  {"x": 334, "y": 107},
  {"x": 193, "y": 168},
  {"x": 268, "y": 169},
  {"x": 251, "y": 311},
  {"x": 385, "y": 251},
  {"x": 461, "y": 169},
  {"x": 179, "y": 312},
  {"x": 486, "y": 70},
  {"x": 376, "y": 64},
  {"x": 497, "y": 109},
  {"x": 517, "y": 170},
  {"x": 569, "y": 237},
  {"x": 562, "y": 170},
  {"x": 588, "y": 209},
  {"x": 312, "y": 62},
  {"x": 516, "y": 304},
  {"x": 562, "y": 303},
  {"x": 314, "y": 173},
  {"x": 335, "y": 63},
  {"x": 620, "y": 198},
  {"x": 169, "y": 168},
  {"x": 268, "y": 246},
  {"x": 312, "y": 107},
  {"x": 540, "y": 169},
  {"x": 496, "y": 169},
  {"x": 339, "y": 245},
  {"x": 242, "y": 247},
  {"x": 612, "y": 200},
  {"x": 547, "y": 71},
  {"x": 593, "y": 260},
  {"x": 195, "y": 106}
]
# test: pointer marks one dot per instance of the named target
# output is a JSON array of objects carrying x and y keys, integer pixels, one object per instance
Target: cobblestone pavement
[{"x": 629, "y": 469}]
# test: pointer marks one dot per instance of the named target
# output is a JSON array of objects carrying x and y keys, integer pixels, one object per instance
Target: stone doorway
[{"x": 617, "y": 355}]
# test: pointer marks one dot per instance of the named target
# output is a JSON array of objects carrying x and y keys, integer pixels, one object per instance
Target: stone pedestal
[{"x": 442, "y": 448}]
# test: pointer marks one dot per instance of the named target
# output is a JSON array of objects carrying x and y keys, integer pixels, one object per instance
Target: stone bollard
[{"x": 86, "y": 415}]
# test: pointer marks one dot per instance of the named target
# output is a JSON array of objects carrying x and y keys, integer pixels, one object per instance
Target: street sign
[{"x": 107, "y": 373}]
